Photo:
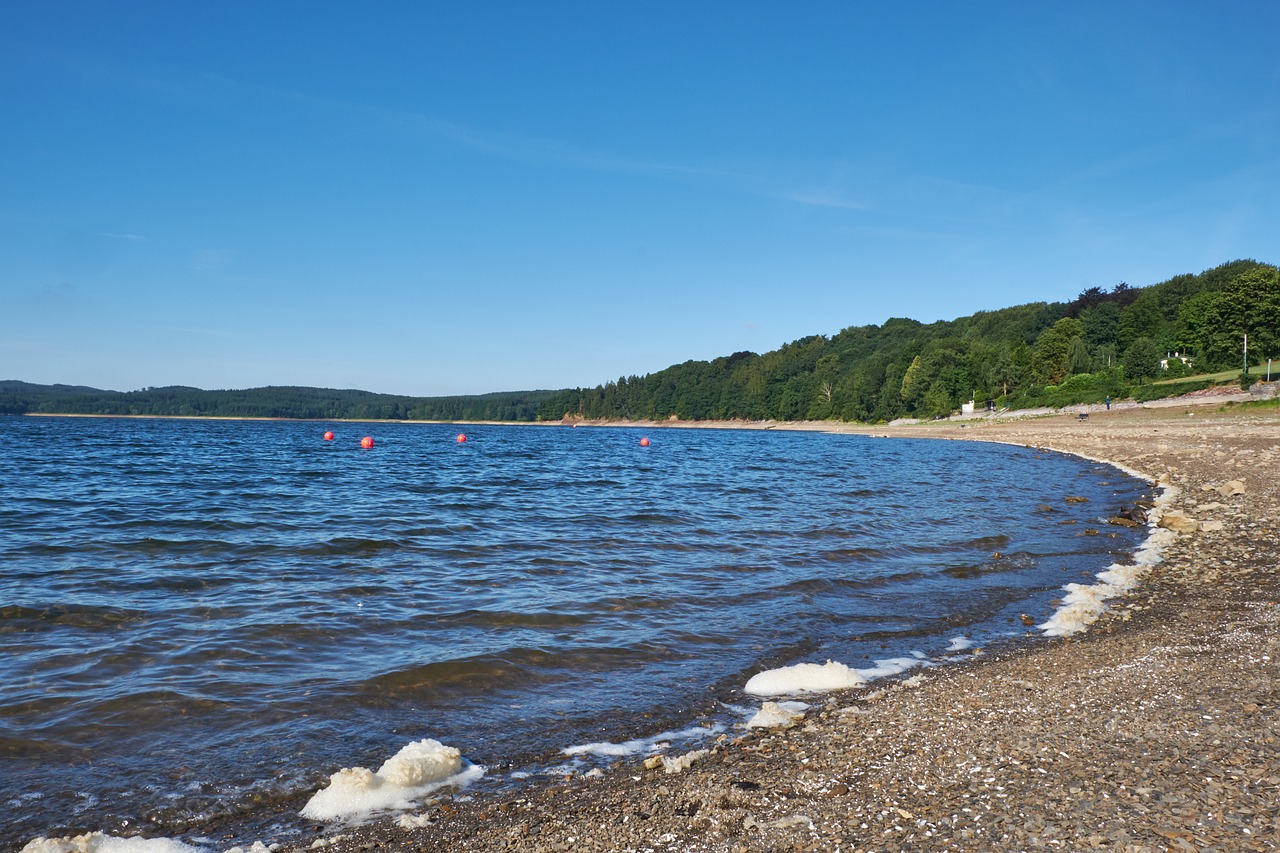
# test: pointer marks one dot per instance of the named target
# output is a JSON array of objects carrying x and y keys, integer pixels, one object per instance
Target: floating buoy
[
  {"x": 462, "y": 437},
  {"x": 367, "y": 441},
  {"x": 328, "y": 436},
  {"x": 644, "y": 442}
]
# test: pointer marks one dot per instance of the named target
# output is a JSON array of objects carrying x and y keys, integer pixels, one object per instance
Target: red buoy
[
  {"x": 462, "y": 437},
  {"x": 367, "y": 441},
  {"x": 328, "y": 436},
  {"x": 644, "y": 442}
]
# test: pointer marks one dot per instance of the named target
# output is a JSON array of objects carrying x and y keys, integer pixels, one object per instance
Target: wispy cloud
[
  {"x": 204, "y": 333},
  {"x": 219, "y": 93},
  {"x": 130, "y": 237},
  {"x": 825, "y": 198},
  {"x": 517, "y": 146}
]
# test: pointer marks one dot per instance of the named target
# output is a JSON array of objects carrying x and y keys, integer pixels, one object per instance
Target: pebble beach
[{"x": 1157, "y": 728}]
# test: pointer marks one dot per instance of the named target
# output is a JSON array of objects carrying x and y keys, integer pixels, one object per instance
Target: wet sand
[{"x": 1157, "y": 729}]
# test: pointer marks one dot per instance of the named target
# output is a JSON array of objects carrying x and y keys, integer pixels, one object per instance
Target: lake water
[{"x": 201, "y": 620}]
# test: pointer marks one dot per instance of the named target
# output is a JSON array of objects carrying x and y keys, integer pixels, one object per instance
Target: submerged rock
[{"x": 1134, "y": 513}]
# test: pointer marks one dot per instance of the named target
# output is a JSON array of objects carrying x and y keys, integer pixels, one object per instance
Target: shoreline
[{"x": 1156, "y": 729}]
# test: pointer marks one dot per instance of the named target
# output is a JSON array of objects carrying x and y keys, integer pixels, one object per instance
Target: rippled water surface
[{"x": 201, "y": 620}]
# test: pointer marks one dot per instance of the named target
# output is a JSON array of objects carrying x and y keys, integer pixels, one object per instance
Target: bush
[
  {"x": 1143, "y": 393},
  {"x": 1081, "y": 388}
]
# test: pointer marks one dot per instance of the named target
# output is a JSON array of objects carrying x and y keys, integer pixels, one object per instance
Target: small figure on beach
[{"x": 1108, "y": 402}]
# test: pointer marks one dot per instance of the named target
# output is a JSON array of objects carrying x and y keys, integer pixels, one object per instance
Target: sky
[{"x": 432, "y": 198}]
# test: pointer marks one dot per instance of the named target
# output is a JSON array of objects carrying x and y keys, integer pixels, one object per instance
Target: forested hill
[
  {"x": 1104, "y": 343},
  {"x": 269, "y": 402}
]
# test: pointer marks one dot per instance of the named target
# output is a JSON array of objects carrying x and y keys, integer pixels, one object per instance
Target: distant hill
[
  {"x": 270, "y": 402},
  {"x": 1103, "y": 343}
]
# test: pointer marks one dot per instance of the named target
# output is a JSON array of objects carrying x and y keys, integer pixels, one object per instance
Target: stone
[
  {"x": 1230, "y": 488},
  {"x": 1178, "y": 522}
]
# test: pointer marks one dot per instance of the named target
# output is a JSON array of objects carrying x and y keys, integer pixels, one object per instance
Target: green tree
[
  {"x": 1005, "y": 374},
  {"x": 1176, "y": 369},
  {"x": 1078, "y": 356},
  {"x": 1105, "y": 356},
  {"x": 1141, "y": 359},
  {"x": 1051, "y": 356},
  {"x": 936, "y": 402},
  {"x": 1101, "y": 324},
  {"x": 1249, "y": 305},
  {"x": 914, "y": 384}
]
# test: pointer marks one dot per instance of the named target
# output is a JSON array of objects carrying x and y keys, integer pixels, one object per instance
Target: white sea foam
[
  {"x": 606, "y": 749},
  {"x": 421, "y": 767},
  {"x": 1084, "y": 604},
  {"x": 97, "y": 842},
  {"x": 895, "y": 666},
  {"x": 775, "y": 715},
  {"x": 959, "y": 644},
  {"x": 814, "y": 678},
  {"x": 804, "y": 678}
]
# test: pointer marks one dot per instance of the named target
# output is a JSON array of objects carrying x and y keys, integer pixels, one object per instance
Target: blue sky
[{"x": 439, "y": 198}]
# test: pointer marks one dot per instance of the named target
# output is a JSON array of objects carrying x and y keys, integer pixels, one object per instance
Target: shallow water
[{"x": 201, "y": 620}]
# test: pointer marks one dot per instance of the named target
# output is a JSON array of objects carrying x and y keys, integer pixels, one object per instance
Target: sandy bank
[{"x": 1159, "y": 729}]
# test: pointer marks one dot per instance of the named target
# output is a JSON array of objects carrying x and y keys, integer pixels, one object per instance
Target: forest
[
  {"x": 18, "y": 398},
  {"x": 1104, "y": 343}
]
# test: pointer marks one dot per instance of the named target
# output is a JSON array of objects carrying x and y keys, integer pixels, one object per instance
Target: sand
[{"x": 1157, "y": 729}]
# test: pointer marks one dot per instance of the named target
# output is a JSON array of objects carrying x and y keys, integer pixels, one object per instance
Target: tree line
[
  {"x": 270, "y": 402},
  {"x": 1104, "y": 343}
]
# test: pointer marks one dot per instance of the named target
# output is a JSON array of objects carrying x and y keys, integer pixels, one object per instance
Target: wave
[
  {"x": 17, "y": 617},
  {"x": 512, "y": 619},
  {"x": 517, "y": 667}
]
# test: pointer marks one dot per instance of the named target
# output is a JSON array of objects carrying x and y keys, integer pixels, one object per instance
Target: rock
[
  {"x": 1134, "y": 513},
  {"x": 1178, "y": 522},
  {"x": 1123, "y": 522},
  {"x": 683, "y": 762},
  {"x": 1211, "y": 526},
  {"x": 1230, "y": 488}
]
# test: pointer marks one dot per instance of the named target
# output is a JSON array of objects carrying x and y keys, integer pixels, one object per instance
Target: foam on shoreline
[
  {"x": 1084, "y": 604},
  {"x": 355, "y": 793},
  {"x": 99, "y": 842}
]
